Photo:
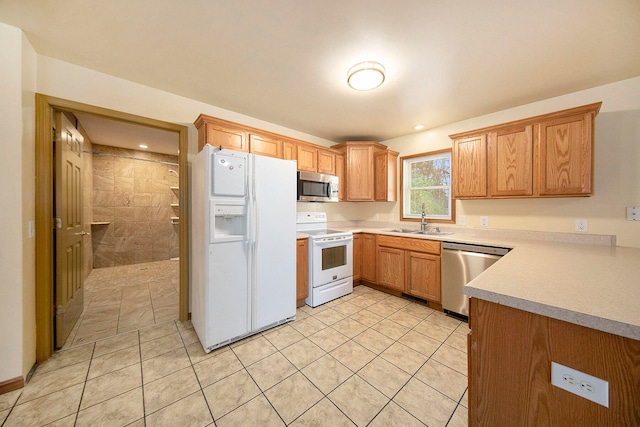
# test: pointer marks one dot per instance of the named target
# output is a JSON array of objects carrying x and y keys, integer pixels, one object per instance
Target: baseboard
[{"x": 11, "y": 385}]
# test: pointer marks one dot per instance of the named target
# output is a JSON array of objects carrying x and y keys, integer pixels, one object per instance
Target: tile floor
[
  {"x": 365, "y": 359},
  {"x": 127, "y": 298}
]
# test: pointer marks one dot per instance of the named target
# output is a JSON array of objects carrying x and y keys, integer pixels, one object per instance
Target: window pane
[
  {"x": 431, "y": 173},
  {"x": 436, "y": 201}
]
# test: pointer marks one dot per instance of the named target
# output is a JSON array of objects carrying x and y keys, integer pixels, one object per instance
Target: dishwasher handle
[{"x": 489, "y": 250}]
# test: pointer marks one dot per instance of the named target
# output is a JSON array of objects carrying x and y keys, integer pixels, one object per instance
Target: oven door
[{"x": 331, "y": 259}]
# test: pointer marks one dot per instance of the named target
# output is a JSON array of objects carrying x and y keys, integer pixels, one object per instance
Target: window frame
[{"x": 403, "y": 189}]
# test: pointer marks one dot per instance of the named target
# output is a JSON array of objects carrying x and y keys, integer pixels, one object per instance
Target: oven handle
[{"x": 333, "y": 241}]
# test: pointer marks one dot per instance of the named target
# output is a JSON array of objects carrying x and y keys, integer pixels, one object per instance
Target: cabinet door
[
  {"x": 289, "y": 150},
  {"x": 302, "y": 271},
  {"x": 326, "y": 162},
  {"x": 565, "y": 149},
  {"x": 307, "y": 158},
  {"x": 470, "y": 167},
  {"x": 265, "y": 146},
  {"x": 360, "y": 173},
  {"x": 390, "y": 264},
  {"x": 342, "y": 177},
  {"x": 510, "y": 162},
  {"x": 386, "y": 170},
  {"x": 423, "y": 276},
  {"x": 232, "y": 139},
  {"x": 357, "y": 257},
  {"x": 368, "y": 267}
]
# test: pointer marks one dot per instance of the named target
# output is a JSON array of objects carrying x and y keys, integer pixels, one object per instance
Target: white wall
[
  {"x": 11, "y": 249},
  {"x": 617, "y": 171}
]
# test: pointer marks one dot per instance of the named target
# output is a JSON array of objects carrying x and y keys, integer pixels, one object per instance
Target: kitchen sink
[
  {"x": 401, "y": 230},
  {"x": 433, "y": 232}
]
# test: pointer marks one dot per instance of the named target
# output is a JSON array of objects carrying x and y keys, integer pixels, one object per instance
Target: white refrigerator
[{"x": 243, "y": 240}]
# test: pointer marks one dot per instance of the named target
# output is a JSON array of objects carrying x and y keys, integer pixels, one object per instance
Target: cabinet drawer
[{"x": 408, "y": 243}]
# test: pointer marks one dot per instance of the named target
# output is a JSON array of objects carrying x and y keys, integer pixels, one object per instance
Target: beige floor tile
[
  {"x": 420, "y": 343},
  {"x": 465, "y": 399},
  {"x": 189, "y": 336},
  {"x": 442, "y": 319},
  {"x": 444, "y": 379},
  {"x": 384, "y": 376},
  {"x": 463, "y": 328},
  {"x": 460, "y": 417},
  {"x": 323, "y": 413},
  {"x": 366, "y": 317},
  {"x": 396, "y": 302},
  {"x": 373, "y": 341},
  {"x": 120, "y": 410},
  {"x": 349, "y": 327},
  {"x": 302, "y": 353},
  {"x": 390, "y": 328},
  {"x": 7, "y": 400},
  {"x": 353, "y": 355},
  {"x": 308, "y": 326},
  {"x": 157, "y": 331},
  {"x": 110, "y": 385},
  {"x": 433, "y": 330},
  {"x": 184, "y": 325},
  {"x": 301, "y": 314},
  {"x": 3, "y": 415},
  {"x": 328, "y": 339},
  {"x": 230, "y": 393},
  {"x": 114, "y": 361},
  {"x": 362, "y": 302},
  {"x": 425, "y": 403},
  {"x": 216, "y": 367},
  {"x": 457, "y": 341},
  {"x": 46, "y": 409},
  {"x": 283, "y": 337},
  {"x": 254, "y": 350},
  {"x": 191, "y": 411},
  {"x": 60, "y": 359},
  {"x": 329, "y": 316},
  {"x": 452, "y": 358},
  {"x": 327, "y": 373},
  {"x": 164, "y": 314},
  {"x": 197, "y": 353},
  {"x": 169, "y": 389},
  {"x": 347, "y": 309},
  {"x": 358, "y": 400},
  {"x": 271, "y": 370},
  {"x": 160, "y": 345},
  {"x": 405, "y": 319},
  {"x": 394, "y": 416},
  {"x": 293, "y": 396},
  {"x": 94, "y": 332},
  {"x": 49, "y": 382},
  {"x": 257, "y": 412},
  {"x": 165, "y": 364},
  {"x": 116, "y": 343},
  {"x": 404, "y": 358},
  {"x": 418, "y": 310},
  {"x": 69, "y": 421},
  {"x": 381, "y": 309}
]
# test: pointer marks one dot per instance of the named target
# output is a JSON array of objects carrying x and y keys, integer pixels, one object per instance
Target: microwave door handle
[{"x": 328, "y": 189}]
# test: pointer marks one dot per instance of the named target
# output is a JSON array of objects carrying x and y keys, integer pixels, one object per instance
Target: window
[{"x": 426, "y": 178}]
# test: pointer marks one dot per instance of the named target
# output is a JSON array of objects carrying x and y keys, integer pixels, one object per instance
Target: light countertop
[{"x": 590, "y": 283}]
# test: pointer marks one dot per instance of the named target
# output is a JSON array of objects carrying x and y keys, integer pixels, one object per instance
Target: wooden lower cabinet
[
  {"x": 423, "y": 275},
  {"x": 510, "y": 354},
  {"x": 390, "y": 263},
  {"x": 368, "y": 266},
  {"x": 302, "y": 271},
  {"x": 357, "y": 257}
]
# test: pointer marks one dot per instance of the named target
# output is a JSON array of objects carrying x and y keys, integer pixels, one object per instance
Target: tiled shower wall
[
  {"x": 133, "y": 194},
  {"x": 87, "y": 200}
]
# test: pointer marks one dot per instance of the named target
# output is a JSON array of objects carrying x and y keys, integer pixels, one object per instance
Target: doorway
[{"x": 45, "y": 242}]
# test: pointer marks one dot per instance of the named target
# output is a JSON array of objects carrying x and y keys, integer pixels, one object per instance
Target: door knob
[{"x": 82, "y": 233}]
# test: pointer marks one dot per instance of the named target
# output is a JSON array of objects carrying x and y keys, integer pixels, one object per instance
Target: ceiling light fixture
[
  {"x": 366, "y": 75},
  {"x": 418, "y": 127},
  {"x": 143, "y": 146}
]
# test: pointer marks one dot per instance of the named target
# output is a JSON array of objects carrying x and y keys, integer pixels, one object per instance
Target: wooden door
[
  {"x": 357, "y": 257},
  {"x": 289, "y": 151},
  {"x": 326, "y": 162},
  {"x": 69, "y": 229},
  {"x": 360, "y": 173},
  {"x": 302, "y": 271},
  {"x": 510, "y": 162},
  {"x": 265, "y": 146},
  {"x": 390, "y": 263},
  {"x": 342, "y": 177},
  {"x": 307, "y": 158},
  {"x": 423, "y": 276},
  {"x": 386, "y": 176},
  {"x": 368, "y": 268},
  {"x": 470, "y": 167},
  {"x": 233, "y": 139},
  {"x": 566, "y": 158}
]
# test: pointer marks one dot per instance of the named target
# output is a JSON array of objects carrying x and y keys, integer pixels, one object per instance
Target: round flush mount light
[
  {"x": 418, "y": 127},
  {"x": 143, "y": 146},
  {"x": 366, "y": 75}
]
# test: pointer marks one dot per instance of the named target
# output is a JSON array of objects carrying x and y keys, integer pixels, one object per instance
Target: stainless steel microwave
[{"x": 317, "y": 187}]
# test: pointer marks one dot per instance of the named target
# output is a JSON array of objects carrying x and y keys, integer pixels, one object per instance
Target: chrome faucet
[{"x": 423, "y": 223}]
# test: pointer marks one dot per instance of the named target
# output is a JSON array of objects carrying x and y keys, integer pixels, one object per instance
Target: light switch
[{"x": 633, "y": 213}]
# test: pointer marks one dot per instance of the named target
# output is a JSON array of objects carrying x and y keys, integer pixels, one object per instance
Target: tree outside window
[{"x": 426, "y": 178}]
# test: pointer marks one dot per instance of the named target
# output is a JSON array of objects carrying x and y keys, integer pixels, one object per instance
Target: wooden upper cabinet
[
  {"x": 307, "y": 158},
  {"x": 289, "y": 150},
  {"x": 341, "y": 173},
  {"x": 265, "y": 146},
  {"x": 543, "y": 156},
  {"x": 221, "y": 134},
  {"x": 470, "y": 166},
  {"x": 510, "y": 161},
  {"x": 360, "y": 173},
  {"x": 566, "y": 156},
  {"x": 326, "y": 162},
  {"x": 386, "y": 176}
]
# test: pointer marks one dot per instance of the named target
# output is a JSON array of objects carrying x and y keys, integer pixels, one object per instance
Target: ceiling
[{"x": 285, "y": 61}]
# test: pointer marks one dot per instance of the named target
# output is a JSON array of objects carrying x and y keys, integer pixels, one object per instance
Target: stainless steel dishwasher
[{"x": 461, "y": 263}]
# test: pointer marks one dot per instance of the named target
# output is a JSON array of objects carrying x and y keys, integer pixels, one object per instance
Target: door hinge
[
  {"x": 57, "y": 310},
  {"x": 57, "y": 223}
]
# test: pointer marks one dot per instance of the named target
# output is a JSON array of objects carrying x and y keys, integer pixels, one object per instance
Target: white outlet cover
[
  {"x": 484, "y": 221},
  {"x": 582, "y": 225},
  {"x": 462, "y": 220},
  {"x": 581, "y": 384}
]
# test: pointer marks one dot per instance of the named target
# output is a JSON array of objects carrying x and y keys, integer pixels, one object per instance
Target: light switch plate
[
  {"x": 633, "y": 213},
  {"x": 462, "y": 220},
  {"x": 581, "y": 384}
]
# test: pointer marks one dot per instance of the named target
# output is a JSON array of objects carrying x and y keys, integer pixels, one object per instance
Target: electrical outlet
[
  {"x": 581, "y": 384},
  {"x": 375, "y": 216},
  {"x": 582, "y": 225},
  {"x": 462, "y": 220},
  {"x": 391, "y": 217},
  {"x": 484, "y": 221}
]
